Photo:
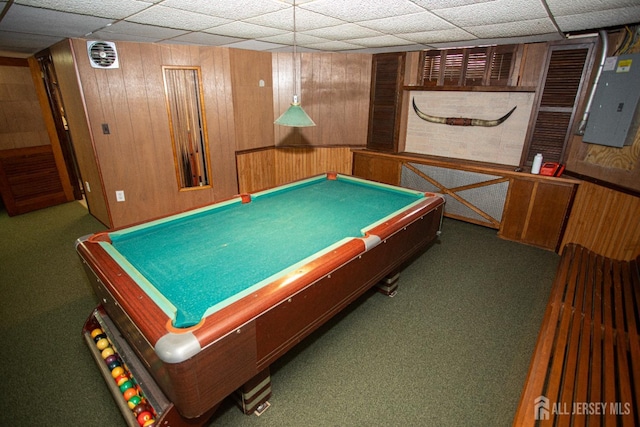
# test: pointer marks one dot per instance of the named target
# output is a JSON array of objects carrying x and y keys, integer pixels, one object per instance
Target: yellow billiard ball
[
  {"x": 107, "y": 352},
  {"x": 102, "y": 344},
  {"x": 117, "y": 371}
]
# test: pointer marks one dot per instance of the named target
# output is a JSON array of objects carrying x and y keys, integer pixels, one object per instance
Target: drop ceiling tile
[
  {"x": 202, "y": 38},
  {"x": 244, "y": 30},
  {"x": 499, "y": 41},
  {"x": 343, "y": 32},
  {"x": 114, "y": 9},
  {"x": 495, "y": 12},
  {"x": 407, "y": 23},
  {"x": 305, "y": 20},
  {"x": 124, "y": 28},
  {"x": 599, "y": 19},
  {"x": 564, "y": 7},
  {"x": 513, "y": 29},
  {"x": 162, "y": 16},
  {"x": 229, "y": 9},
  {"x": 334, "y": 46},
  {"x": 439, "y": 36},
  {"x": 362, "y": 10},
  {"x": 380, "y": 41},
  {"x": 301, "y": 39},
  {"x": 255, "y": 45},
  {"x": 446, "y": 4},
  {"x": 49, "y": 22},
  {"x": 27, "y": 43}
]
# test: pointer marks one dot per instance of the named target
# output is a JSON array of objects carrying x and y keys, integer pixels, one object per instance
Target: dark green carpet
[{"x": 451, "y": 349}]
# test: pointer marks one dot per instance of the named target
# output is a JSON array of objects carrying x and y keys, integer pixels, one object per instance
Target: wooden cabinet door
[{"x": 536, "y": 212}]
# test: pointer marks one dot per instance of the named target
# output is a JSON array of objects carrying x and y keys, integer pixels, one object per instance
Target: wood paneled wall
[
  {"x": 334, "y": 92},
  {"x": 244, "y": 92},
  {"x": 79, "y": 130},
  {"x": 137, "y": 156},
  {"x": 251, "y": 77},
  {"x": 605, "y": 221},
  {"x": 262, "y": 169}
]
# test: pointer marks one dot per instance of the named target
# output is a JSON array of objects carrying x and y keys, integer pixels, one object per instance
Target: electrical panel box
[{"x": 615, "y": 112}]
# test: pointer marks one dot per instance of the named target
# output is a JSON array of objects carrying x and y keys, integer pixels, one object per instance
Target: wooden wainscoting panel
[
  {"x": 293, "y": 163},
  {"x": 256, "y": 170},
  {"x": 266, "y": 168},
  {"x": 605, "y": 221},
  {"x": 29, "y": 179},
  {"x": 377, "y": 168}
]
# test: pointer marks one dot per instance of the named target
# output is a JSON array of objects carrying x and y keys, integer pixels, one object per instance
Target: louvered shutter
[
  {"x": 556, "y": 109},
  {"x": 475, "y": 67},
  {"x": 386, "y": 95},
  {"x": 431, "y": 65}
]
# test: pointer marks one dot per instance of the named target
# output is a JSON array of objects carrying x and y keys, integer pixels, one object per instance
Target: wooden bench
[{"x": 585, "y": 369}]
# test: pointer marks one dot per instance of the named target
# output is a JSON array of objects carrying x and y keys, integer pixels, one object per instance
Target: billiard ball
[
  {"x": 120, "y": 379},
  {"x": 129, "y": 393},
  {"x": 144, "y": 417},
  {"x": 111, "y": 358},
  {"x": 117, "y": 371},
  {"x": 142, "y": 407},
  {"x": 114, "y": 364},
  {"x": 125, "y": 386},
  {"x": 149, "y": 423},
  {"x": 134, "y": 401},
  {"x": 102, "y": 344},
  {"x": 99, "y": 337},
  {"x": 107, "y": 352},
  {"x": 96, "y": 332}
]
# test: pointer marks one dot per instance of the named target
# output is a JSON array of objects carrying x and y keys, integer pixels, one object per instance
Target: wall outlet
[{"x": 120, "y": 196}]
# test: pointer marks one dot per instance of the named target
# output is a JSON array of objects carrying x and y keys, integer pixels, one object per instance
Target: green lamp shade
[{"x": 295, "y": 116}]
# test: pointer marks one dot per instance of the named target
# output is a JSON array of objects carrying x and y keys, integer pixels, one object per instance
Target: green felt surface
[{"x": 207, "y": 259}]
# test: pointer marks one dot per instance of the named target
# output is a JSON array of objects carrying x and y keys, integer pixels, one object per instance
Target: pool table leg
[
  {"x": 389, "y": 285},
  {"x": 253, "y": 396}
]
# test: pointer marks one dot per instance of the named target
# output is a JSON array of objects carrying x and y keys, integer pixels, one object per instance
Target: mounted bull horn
[{"x": 459, "y": 121}]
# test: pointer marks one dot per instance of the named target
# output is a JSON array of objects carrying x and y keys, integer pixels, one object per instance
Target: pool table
[{"x": 197, "y": 305}]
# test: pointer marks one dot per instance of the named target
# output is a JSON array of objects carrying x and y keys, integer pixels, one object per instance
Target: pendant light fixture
[{"x": 295, "y": 116}]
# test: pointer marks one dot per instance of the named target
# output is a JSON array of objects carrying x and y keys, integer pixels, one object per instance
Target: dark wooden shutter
[
  {"x": 431, "y": 65},
  {"x": 475, "y": 67},
  {"x": 480, "y": 66},
  {"x": 501, "y": 65},
  {"x": 386, "y": 96},
  {"x": 453, "y": 67},
  {"x": 556, "y": 109}
]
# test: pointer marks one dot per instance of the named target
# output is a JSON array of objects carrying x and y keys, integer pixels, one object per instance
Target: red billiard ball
[{"x": 144, "y": 417}]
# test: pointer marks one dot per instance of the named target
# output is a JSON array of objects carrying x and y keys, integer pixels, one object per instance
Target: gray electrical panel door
[{"x": 615, "y": 115}]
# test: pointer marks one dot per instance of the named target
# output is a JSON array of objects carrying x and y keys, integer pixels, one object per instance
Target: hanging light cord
[{"x": 295, "y": 57}]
